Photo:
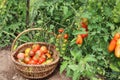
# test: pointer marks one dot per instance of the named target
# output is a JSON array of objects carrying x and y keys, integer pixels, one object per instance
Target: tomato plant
[{"x": 96, "y": 21}]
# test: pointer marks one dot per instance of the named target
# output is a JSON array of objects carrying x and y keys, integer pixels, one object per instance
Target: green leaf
[
  {"x": 114, "y": 67},
  {"x": 90, "y": 58},
  {"x": 39, "y": 21},
  {"x": 69, "y": 72},
  {"x": 63, "y": 66},
  {"x": 81, "y": 31},
  {"x": 74, "y": 67},
  {"x": 66, "y": 58},
  {"x": 76, "y": 75},
  {"x": 65, "y": 10},
  {"x": 52, "y": 26}
]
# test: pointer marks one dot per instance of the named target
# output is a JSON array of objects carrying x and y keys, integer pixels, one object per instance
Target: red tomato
[
  {"x": 84, "y": 25},
  {"x": 36, "y": 58},
  {"x": 79, "y": 40},
  {"x": 43, "y": 49},
  {"x": 117, "y": 36},
  {"x": 20, "y": 56},
  {"x": 42, "y": 60},
  {"x": 66, "y": 36},
  {"x": 60, "y": 30},
  {"x": 32, "y": 62},
  {"x": 112, "y": 45},
  {"x": 27, "y": 60},
  {"x": 31, "y": 53},
  {"x": 117, "y": 51},
  {"x": 35, "y": 47},
  {"x": 39, "y": 53},
  {"x": 84, "y": 35}
]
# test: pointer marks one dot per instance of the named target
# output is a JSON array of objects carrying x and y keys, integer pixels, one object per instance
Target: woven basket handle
[{"x": 25, "y": 31}]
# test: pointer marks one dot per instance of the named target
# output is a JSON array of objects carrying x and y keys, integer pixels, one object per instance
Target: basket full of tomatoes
[{"x": 34, "y": 60}]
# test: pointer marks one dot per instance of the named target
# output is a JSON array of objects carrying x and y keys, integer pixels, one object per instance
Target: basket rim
[{"x": 35, "y": 65}]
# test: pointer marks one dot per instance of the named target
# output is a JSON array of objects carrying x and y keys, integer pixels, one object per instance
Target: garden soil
[{"x": 8, "y": 72}]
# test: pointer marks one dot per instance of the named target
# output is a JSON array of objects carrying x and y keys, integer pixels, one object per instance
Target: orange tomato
[
  {"x": 79, "y": 40},
  {"x": 44, "y": 49},
  {"x": 117, "y": 51},
  {"x": 117, "y": 36},
  {"x": 112, "y": 45},
  {"x": 48, "y": 55}
]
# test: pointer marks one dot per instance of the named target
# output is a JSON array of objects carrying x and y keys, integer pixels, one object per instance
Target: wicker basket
[{"x": 34, "y": 71}]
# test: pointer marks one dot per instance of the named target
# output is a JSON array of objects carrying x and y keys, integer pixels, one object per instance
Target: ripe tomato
[
  {"x": 117, "y": 51},
  {"x": 48, "y": 55},
  {"x": 43, "y": 49},
  {"x": 42, "y": 60},
  {"x": 112, "y": 45},
  {"x": 27, "y": 50},
  {"x": 84, "y": 25},
  {"x": 27, "y": 60},
  {"x": 118, "y": 42},
  {"x": 117, "y": 36},
  {"x": 20, "y": 56},
  {"x": 31, "y": 53},
  {"x": 36, "y": 58},
  {"x": 60, "y": 30},
  {"x": 35, "y": 47},
  {"x": 32, "y": 62},
  {"x": 84, "y": 35},
  {"x": 79, "y": 40},
  {"x": 66, "y": 36},
  {"x": 39, "y": 53}
]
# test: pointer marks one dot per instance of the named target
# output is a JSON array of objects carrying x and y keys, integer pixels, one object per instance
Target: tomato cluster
[
  {"x": 115, "y": 45},
  {"x": 80, "y": 37},
  {"x": 62, "y": 41},
  {"x": 61, "y": 30},
  {"x": 37, "y": 54}
]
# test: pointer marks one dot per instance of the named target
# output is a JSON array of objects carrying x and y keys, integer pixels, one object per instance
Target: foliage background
[{"x": 104, "y": 22}]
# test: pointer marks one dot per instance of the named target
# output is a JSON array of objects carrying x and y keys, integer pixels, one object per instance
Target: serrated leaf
[
  {"x": 76, "y": 75},
  {"x": 69, "y": 72},
  {"x": 63, "y": 66},
  {"x": 90, "y": 58},
  {"x": 114, "y": 67},
  {"x": 73, "y": 67},
  {"x": 106, "y": 38}
]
